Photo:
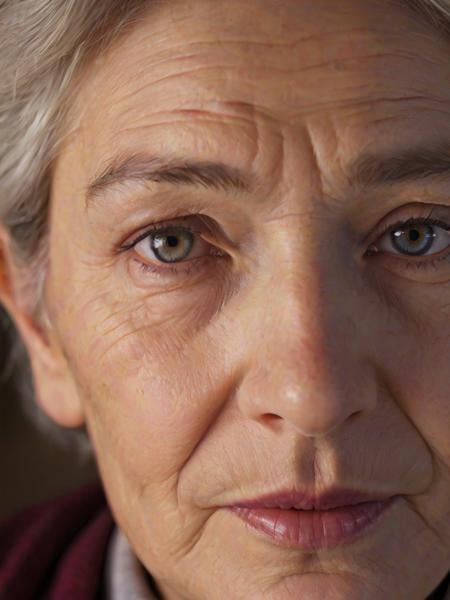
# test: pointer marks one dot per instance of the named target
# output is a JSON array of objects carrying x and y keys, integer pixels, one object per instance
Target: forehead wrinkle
[
  {"x": 249, "y": 114},
  {"x": 164, "y": 79},
  {"x": 179, "y": 52},
  {"x": 350, "y": 88},
  {"x": 282, "y": 42},
  {"x": 223, "y": 51},
  {"x": 279, "y": 32},
  {"x": 196, "y": 64},
  {"x": 404, "y": 117},
  {"x": 222, "y": 68},
  {"x": 144, "y": 132},
  {"x": 245, "y": 116}
]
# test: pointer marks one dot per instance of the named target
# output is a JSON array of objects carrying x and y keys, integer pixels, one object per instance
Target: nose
[{"x": 307, "y": 365}]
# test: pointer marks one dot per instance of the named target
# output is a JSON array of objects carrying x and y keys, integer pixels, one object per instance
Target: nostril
[{"x": 271, "y": 419}]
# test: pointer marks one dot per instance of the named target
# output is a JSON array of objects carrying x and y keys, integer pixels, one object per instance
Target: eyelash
[{"x": 185, "y": 268}]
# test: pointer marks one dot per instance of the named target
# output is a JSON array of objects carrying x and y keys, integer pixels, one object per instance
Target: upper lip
[{"x": 303, "y": 500}]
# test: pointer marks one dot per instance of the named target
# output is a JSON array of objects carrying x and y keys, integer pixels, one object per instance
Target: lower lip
[{"x": 314, "y": 529}]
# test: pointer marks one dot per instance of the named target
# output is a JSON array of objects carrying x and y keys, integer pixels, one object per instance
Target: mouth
[{"x": 310, "y": 522}]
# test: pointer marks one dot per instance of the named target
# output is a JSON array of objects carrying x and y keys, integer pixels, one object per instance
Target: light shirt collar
[{"x": 125, "y": 576}]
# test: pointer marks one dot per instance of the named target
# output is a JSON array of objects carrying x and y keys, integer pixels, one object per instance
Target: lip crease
[
  {"x": 332, "y": 498},
  {"x": 309, "y": 522}
]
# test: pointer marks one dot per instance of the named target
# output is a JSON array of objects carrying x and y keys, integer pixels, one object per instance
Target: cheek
[
  {"x": 427, "y": 397},
  {"x": 133, "y": 408},
  {"x": 146, "y": 401},
  {"x": 135, "y": 360}
]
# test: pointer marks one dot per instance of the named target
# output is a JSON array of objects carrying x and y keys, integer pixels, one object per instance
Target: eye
[
  {"x": 414, "y": 237},
  {"x": 182, "y": 246}
]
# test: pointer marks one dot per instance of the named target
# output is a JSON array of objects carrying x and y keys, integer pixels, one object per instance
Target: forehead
[{"x": 227, "y": 66}]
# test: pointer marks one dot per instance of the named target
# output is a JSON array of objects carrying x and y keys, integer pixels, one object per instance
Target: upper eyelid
[
  {"x": 412, "y": 221},
  {"x": 390, "y": 222},
  {"x": 154, "y": 228}
]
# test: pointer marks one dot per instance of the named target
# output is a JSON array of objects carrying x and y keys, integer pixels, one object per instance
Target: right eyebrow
[{"x": 431, "y": 161}]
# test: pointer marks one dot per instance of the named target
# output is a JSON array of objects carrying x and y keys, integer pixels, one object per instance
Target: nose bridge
[
  {"x": 306, "y": 368},
  {"x": 311, "y": 306}
]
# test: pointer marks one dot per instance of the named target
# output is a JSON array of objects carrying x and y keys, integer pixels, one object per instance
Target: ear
[{"x": 55, "y": 389}]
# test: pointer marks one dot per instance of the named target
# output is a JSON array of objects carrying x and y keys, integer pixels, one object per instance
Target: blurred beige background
[{"x": 32, "y": 465}]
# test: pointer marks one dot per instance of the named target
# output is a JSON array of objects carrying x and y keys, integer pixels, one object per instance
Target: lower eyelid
[
  {"x": 413, "y": 264},
  {"x": 180, "y": 269},
  {"x": 431, "y": 262}
]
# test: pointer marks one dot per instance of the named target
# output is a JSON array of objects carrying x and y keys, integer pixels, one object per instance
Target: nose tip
[
  {"x": 315, "y": 414},
  {"x": 314, "y": 404}
]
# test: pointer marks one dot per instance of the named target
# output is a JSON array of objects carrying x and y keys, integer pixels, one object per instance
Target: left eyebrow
[
  {"x": 140, "y": 168},
  {"x": 412, "y": 164}
]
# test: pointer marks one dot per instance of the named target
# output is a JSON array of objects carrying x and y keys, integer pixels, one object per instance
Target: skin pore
[{"x": 291, "y": 357}]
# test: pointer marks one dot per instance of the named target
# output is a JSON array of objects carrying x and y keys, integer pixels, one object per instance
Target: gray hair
[{"x": 43, "y": 44}]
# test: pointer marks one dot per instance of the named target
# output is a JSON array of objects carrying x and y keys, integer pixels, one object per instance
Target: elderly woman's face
[{"x": 293, "y": 336}]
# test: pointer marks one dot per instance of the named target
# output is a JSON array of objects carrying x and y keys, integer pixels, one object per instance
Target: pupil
[
  {"x": 414, "y": 235},
  {"x": 172, "y": 240}
]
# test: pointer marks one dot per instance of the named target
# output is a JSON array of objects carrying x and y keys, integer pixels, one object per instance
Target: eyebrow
[
  {"x": 367, "y": 170},
  {"x": 412, "y": 164},
  {"x": 140, "y": 168}
]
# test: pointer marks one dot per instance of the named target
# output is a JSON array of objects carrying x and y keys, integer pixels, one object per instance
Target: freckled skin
[{"x": 296, "y": 360}]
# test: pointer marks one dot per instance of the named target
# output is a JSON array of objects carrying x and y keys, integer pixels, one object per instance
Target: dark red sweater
[{"x": 56, "y": 550}]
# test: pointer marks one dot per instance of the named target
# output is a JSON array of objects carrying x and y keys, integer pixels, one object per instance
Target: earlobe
[{"x": 55, "y": 389}]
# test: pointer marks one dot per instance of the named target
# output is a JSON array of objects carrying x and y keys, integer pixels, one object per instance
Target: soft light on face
[{"x": 290, "y": 342}]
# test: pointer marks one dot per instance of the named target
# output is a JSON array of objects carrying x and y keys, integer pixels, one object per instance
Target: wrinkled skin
[{"x": 295, "y": 357}]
